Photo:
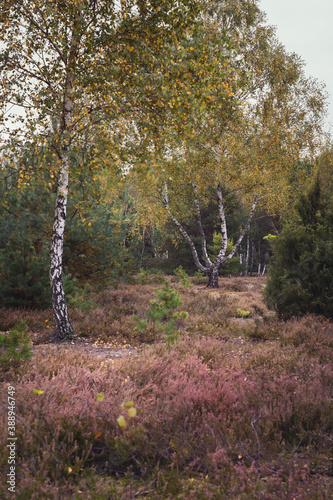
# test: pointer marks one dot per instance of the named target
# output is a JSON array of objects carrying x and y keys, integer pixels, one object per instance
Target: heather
[{"x": 235, "y": 407}]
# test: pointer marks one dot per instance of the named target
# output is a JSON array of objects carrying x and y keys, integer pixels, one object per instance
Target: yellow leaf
[
  {"x": 121, "y": 421},
  {"x": 127, "y": 404},
  {"x": 131, "y": 412}
]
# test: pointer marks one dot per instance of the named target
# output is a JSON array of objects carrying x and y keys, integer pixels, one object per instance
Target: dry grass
[{"x": 212, "y": 312}]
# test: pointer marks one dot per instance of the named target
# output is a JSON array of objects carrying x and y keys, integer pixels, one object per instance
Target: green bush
[
  {"x": 14, "y": 347},
  {"x": 161, "y": 315},
  {"x": 301, "y": 275},
  {"x": 24, "y": 274},
  {"x": 183, "y": 277},
  {"x": 82, "y": 299}
]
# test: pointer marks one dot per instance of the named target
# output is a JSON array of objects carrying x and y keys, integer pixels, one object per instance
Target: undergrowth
[{"x": 239, "y": 407}]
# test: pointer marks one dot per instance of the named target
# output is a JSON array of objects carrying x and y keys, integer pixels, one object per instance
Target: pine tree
[{"x": 301, "y": 275}]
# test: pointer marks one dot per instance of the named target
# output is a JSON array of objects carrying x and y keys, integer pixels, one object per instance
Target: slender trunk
[
  {"x": 240, "y": 264},
  {"x": 213, "y": 277},
  {"x": 224, "y": 232},
  {"x": 247, "y": 256},
  {"x": 252, "y": 256},
  {"x": 63, "y": 323},
  {"x": 202, "y": 232}
]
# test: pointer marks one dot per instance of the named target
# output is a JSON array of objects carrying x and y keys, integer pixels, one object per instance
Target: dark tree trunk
[{"x": 213, "y": 278}]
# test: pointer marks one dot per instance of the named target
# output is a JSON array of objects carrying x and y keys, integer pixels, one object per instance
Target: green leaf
[
  {"x": 37, "y": 391},
  {"x": 100, "y": 396}
]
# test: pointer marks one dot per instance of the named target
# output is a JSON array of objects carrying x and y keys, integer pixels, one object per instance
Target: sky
[{"x": 305, "y": 27}]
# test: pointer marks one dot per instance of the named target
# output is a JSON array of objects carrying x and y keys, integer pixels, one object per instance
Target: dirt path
[{"x": 86, "y": 348}]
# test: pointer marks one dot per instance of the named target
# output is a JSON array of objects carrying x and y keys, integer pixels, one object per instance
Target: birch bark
[
  {"x": 211, "y": 269},
  {"x": 64, "y": 327},
  {"x": 63, "y": 323}
]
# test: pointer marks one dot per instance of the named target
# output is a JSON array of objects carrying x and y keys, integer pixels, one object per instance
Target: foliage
[
  {"x": 24, "y": 274},
  {"x": 233, "y": 266},
  {"x": 101, "y": 245},
  {"x": 161, "y": 315},
  {"x": 14, "y": 347},
  {"x": 249, "y": 140},
  {"x": 148, "y": 276},
  {"x": 301, "y": 275},
  {"x": 127, "y": 406},
  {"x": 83, "y": 299},
  {"x": 73, "y": 69},
  {"x": 242, "y": 313},
  {"x": 24, "y": 255},
  {"x": 183, "y": 276}
]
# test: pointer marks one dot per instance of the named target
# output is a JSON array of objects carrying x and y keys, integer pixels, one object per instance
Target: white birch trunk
[
  {"x": 247, "y": 256},
  {"x": 212, "y": 268},
  {"x": 202, "y": 232},
  {"x": 63, "y": 323}
]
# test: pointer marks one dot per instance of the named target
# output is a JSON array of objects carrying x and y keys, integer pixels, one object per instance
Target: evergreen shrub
[
  {"x": 161, "y": 315},
  {"x": 301, "y": 275},
  {"x": 14, "y": 347}
]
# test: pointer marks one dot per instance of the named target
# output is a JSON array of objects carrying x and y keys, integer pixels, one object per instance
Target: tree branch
[
  {"x": 202, "y": 232},
  {"x": 246, "y": 228},
  {"x": 165, "y": 201}
]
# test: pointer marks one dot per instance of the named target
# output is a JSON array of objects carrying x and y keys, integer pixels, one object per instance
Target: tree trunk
[
  {"x": 252, "y": 257},
  {"x": 64, "y": 325},
  {"x": 247, "y": 256},
  {"x": 213, "y": 278}
]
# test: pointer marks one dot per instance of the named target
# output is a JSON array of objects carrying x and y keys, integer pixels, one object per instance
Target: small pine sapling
[
  {"x": 161, "y": 315},
  {"x": 14, "y": 347},
  {"x": 182, "y": 274}
]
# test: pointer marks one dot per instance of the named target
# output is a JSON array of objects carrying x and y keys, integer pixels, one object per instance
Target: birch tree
[
  {"x": 264, "y": 116},
  {"x": 70, "y": 67}
]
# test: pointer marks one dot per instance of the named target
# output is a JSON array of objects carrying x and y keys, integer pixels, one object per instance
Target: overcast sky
[{"x": 305, "y": 27}]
